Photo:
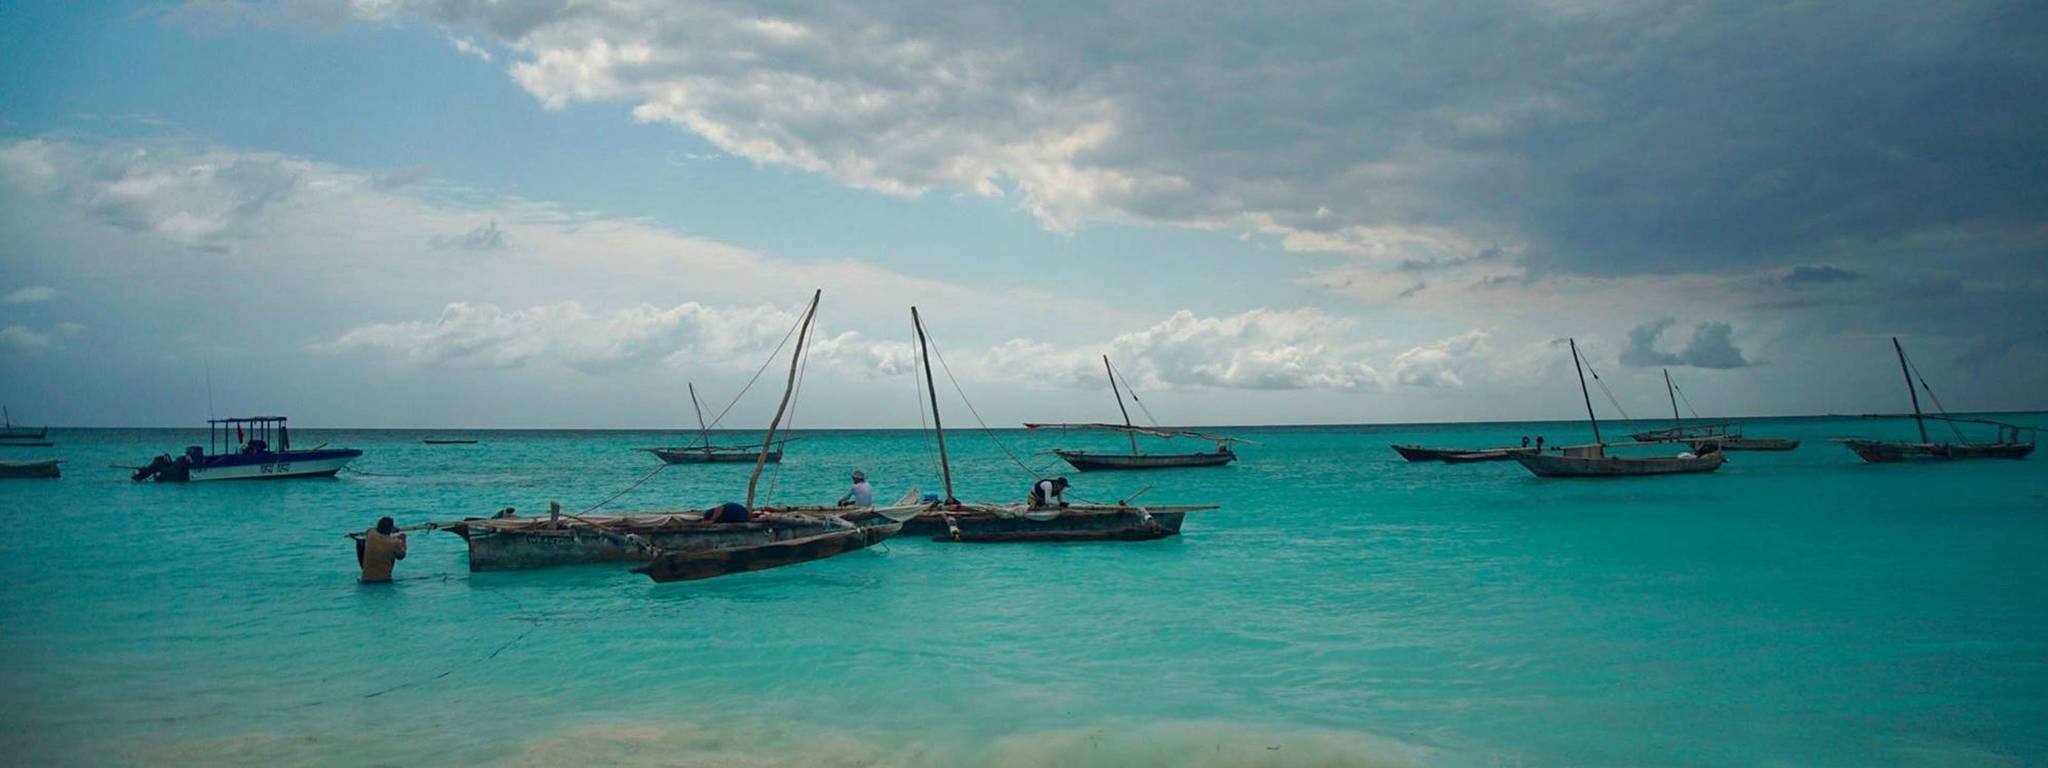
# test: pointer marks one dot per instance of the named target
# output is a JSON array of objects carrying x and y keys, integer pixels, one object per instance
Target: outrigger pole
[{"x": 788, "y": 389}]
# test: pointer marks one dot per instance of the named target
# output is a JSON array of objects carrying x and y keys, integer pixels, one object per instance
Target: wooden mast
[
  {"x": 1583, "y": 393},
  {"x": 703, "y": 432},
  {"x": 1915, "y": 394},
  {"x": 796, "y": 356},
  {"x": 925, "y": 349},
  {"x": 1120, "y": 404},
  {"x": 1677, "y": 423}
]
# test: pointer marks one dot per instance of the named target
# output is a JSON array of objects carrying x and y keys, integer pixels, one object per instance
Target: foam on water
[{"x": 1343, "y": 608}]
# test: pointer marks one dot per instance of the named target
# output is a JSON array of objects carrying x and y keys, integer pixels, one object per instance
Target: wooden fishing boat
[
  {"x": 2007, "y": 446},
  {"x": 716, "y": 454},
  {"x": 13, "y": 470},
  {"x": 1091, "y": 461},
  {"x": 1491, "y": 454},
  {"x": 703, "y": 452},
  {"x": 247, "y": 448},
  {"x": 1592, "y": 460},
  {"x": 509, "y": 542},
  {"x": 10, "y": 431},
  {"x": 954, "y": 521},
  {"x": 703, "y": 564},
  {"x": 448, "y": 441},
  {"x": 25, "y": 443},
  {"x": 1720, "y": 436}
]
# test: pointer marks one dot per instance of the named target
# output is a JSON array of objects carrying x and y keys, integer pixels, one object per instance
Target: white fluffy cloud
[
  {"x": 30, "y": 295},
  {"x": 1258, "y": 349},
  {"x": 1439, "y": 364}
]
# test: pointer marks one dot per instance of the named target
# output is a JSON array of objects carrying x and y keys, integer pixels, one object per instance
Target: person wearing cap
[
  {"x": 1046, "y": 493},
  {"x": 861, "y": 495}
]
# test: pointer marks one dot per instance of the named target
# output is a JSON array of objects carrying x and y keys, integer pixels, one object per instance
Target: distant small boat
[
  {"x": 29, "y": 469},
  {"x": 1089, "y": 461},
  {"x": 8, "y": 430},
  {"x": 1722, "y": 436},
  {"x": 448, "y": 441},
  {"x": 1459, "y": 455},
  {"x": 703, "y": 452},
  {"x": 2008, "y": 445},
  {"x": 25, "y": 443},
  {"x": 704, "y": 564},
  {"x": 248, "y": 448},
  {"x": 1593, "y": 461}
]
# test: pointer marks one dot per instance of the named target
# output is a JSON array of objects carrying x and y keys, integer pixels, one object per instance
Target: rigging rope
[
  {"x": 1687, "y": 400},
  {"x": 1937, "y": 401},
  {"x": 1133, "y": 392},
  {"x": 977, "y": 414},
  {"x": 757, "y": 377},
  {"x": 1608, "y": 393}
]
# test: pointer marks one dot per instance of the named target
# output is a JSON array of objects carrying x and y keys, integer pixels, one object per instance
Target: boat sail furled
[
  {"x": 1087, "y": 461},
  {"x": 1592, "y": 460},
  {"x": 2007, "y": 446}
]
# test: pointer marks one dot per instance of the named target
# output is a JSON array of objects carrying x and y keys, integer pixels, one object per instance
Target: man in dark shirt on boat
[
  {"x": 379, "y": 550},
  {"x": 729, "y": 512},
  {"x": 1046, "y": 493}
]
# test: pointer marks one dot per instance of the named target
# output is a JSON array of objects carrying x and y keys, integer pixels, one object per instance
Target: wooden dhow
[
  {"x": 9, "y": 431},
  {"x": 1583, "y": 461},
  {"x": 1091, "y": 461},
  {"x": 16, "y": 470},
  {"x": 952, "y": 520},
  {"x": 1460, "y": 455},
  {"x": 703, "y": 452},
  {"x": 2007, "y": 446},
  {"x": 1724, "y": 436}
]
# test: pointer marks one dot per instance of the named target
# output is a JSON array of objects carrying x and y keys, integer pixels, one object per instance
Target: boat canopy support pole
[
  {"x": 1585, "y": 394},
  {"x": 1908, "y": 373},
  {"x": 925, "y": 349}
]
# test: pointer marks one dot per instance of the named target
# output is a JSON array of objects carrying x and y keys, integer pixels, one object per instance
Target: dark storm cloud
[{"x": 1712, "y": 346}]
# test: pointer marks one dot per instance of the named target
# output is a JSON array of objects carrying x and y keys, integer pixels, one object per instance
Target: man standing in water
[
  {"x": 862, "y": 494},
  {"x": 378, "y": 550}
]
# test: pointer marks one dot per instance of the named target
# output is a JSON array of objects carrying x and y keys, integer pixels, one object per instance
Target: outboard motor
[
  {"x": 158, "y": 464},
  {"x": 177, "y": 471}
]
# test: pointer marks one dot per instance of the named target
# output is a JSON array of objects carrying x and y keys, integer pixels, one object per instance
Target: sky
[{"x": 555, "y": 214}]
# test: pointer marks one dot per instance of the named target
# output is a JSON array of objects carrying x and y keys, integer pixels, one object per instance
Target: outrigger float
[
  {"x": 261, "y": 450},
  {"x": 2007, "y": 446}
]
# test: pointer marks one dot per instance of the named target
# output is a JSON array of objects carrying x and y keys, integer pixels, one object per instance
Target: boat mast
[
  {"x": 924, "y": 348},
  {"x": 796, "y": 356},
  {"x": 1917, "y": 418},
  {"x": 703, "y": 432},
  {"x": 1120, "y": 404},
  {"x": 1669, "y": 391},
  {"x": 1583, "y": 393}
]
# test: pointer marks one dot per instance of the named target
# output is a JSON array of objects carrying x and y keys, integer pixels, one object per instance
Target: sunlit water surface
[{"x": 1342, "y": 608}]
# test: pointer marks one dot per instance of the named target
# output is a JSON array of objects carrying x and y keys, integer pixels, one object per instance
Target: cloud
[
  {"x": 199, "y": 200},
  {"x": 1260, "y": 349},
  {"x": 1712, "y": 346},
  {"x": 486, "y": 237},
  {"x": 566, "y": 334},
  {"x": 29, "y": 295},
  {"x": 1438, "y": 364},
  {"x": 470, "y": 48},
  {"x": 1806, "y": 275},
  {"x": 21, "y": 339}
]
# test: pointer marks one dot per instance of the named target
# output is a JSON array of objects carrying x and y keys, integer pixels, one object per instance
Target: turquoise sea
[{"x": 1342, "y": 608}]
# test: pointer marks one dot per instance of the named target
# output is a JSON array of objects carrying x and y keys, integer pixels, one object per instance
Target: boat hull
[
  {"x": 672, "y": 566},
  {"x": 1093, "y": 525},
  {"x": 1880, "y": 452},
  {"x": 700, "y": 456},
  {"x": 10, "y": 470},
  {"x": 1458, "y": 455},
  {"x": 1551, "y": 465},
  {"x": 1092, "y": 462},
  {"x": 527, "y": 544},
  {"x": 1475, "y": 457},
  {"x": 282, "y": 465},
  {"x": 1747, "y": 444}
]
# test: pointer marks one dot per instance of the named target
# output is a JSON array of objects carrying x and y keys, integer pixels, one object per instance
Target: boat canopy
[
  {"x": 1153, "y": 431},
  {"x": 247, "y": 434}
]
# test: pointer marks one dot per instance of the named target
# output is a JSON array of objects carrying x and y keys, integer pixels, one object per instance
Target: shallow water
[{"x": 1342, "y": 608}]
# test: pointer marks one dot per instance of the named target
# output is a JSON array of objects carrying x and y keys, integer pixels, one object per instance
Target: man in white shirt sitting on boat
[{"x": 862, "y": 494}]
